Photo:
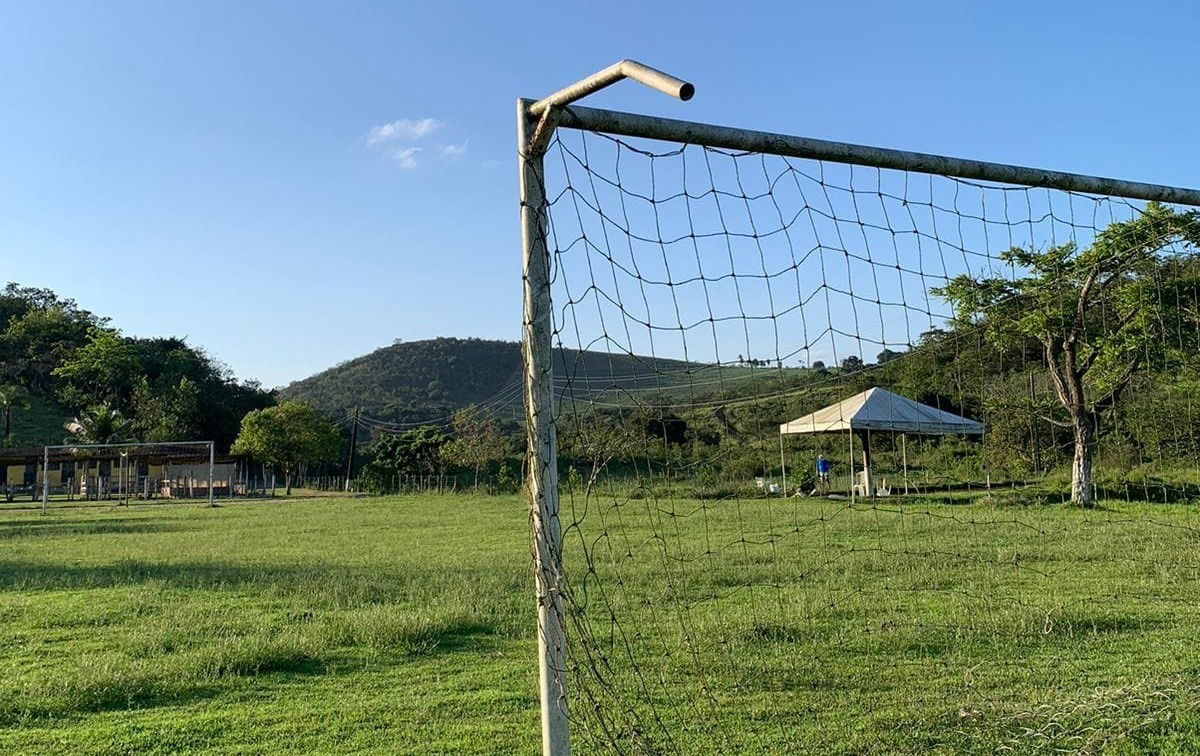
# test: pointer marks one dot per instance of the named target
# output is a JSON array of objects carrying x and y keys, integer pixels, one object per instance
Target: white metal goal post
[
  {"x": 536, "y": 123},
  {"x": 126, "y": 456}
]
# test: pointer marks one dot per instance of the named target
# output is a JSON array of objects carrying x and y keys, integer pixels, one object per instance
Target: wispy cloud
[
  {"x": 398, "y": 141},
  {"x": 453, "y": 151},
  {"x": 407, "y": 157},
  {"x": 403, "y": 128}
]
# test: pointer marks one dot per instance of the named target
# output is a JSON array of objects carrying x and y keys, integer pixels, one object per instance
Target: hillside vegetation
[
  {"x": 418, "y": 381},
  {"x": 58, "y": 360}
]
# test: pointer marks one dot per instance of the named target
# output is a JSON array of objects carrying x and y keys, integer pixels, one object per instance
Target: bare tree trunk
[
  {"x": 1067, "y": 379},
  {"x": 1083, "y": 488},
  {"x": 287, "y": 485}
]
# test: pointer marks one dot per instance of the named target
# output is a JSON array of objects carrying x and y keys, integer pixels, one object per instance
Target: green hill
[
  {"x": 40, "y": 422},
  {"x": 426, "y": 380}
]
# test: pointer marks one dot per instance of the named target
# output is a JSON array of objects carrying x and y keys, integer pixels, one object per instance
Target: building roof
[
  {"x": 34, "y": 455},
  {"x": 880, "y": 410}
]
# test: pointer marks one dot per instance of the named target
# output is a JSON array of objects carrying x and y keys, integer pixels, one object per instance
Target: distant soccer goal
[
  {"x": 908, "y": 456},
  {"x": 141, "y": 471}
]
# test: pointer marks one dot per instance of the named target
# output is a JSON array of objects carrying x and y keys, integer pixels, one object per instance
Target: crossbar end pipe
[{"x": 623, "y": 69}]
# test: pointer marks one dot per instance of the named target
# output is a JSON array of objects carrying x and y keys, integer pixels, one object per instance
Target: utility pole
[{"x": 353, "y": 448}]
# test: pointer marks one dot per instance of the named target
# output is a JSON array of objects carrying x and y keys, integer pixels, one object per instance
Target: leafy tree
[
  {"x": 853, "y": 363},
  {"x": 414, "y": 452},
  {"x": 104, "y": 370},
  {"x": 950, "y": 369},
  {"x": 287, "y": 435},
  {"x": 12, "y": 395},
  {"x": 477, "y": 440},
  {"x": 599, "y": 438},
  {"x": 101, "y": 424},
  {"x": 1099, "y": 315},
  {"x": 168, "y": 415},
  {"x": 37, "y": 341},
  {"x": 887, "y": 355},
  {"x": 188, "y": 394}
]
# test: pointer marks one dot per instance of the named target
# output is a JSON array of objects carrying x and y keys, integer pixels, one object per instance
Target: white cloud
[
  {"x": 453, "y": 151},
  {"x": 407, "y": 157},
  {"x": 397, "y": 139},
  {"x": 403, "y": 128}
]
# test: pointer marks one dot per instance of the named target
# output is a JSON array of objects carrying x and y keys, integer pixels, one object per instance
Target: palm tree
[
  {"x": 101, "y": 424},
  {"x": 11, "y": 395}
]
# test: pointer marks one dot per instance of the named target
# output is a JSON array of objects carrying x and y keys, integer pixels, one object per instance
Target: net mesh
[{"x": 868, "y": 580}]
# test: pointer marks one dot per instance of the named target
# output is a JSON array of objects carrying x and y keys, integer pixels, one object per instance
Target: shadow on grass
[
  {"x": 142, "y": 684},
  {"x": 51, "y": 527},
  {"x": 450, "y": 637},
  {"x": 1082, "y": 625},
  {"x": 778, "y": 633},
  {"x": 264, "y": 660},
  {"x": 1148, "y": 492},
  {"x": 25, "y": 575},
  {"x": 319, "y": 587}
]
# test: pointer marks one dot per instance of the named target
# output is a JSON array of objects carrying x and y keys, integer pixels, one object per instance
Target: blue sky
[{"x": 207, "y": 169}]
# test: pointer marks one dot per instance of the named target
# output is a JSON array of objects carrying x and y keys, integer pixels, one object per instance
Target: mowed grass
[
  {"x": 390, "y": 625},
  {"x": 405, "y": 624},
  {"x": 903, "y": 626}
]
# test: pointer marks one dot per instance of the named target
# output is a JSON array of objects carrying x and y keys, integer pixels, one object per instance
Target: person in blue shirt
[{"x": 823, "y": 467}]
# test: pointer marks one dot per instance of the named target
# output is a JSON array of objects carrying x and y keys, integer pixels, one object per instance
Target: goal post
[
  {"x": 127, "y": 470},
  {"x": 678, "y": 548},
  {"x": 540, "y": 440},
  {"x": 535, "y": 123}
]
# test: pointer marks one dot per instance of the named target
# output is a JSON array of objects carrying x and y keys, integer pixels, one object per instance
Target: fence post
[
  {"x": 45, "y": 479},
  {"x": 542, "y": 445}
]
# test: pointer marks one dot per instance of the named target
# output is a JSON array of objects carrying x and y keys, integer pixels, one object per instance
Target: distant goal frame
[{"x": 201, "y": 446}]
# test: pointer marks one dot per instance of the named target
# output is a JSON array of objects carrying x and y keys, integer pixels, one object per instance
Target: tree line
[
  {"x": 113, "y": 388},
  {"x": 117, "y": 387}
]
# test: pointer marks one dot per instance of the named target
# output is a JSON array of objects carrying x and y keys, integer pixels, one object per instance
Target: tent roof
[{"x": 879, "y": 409}]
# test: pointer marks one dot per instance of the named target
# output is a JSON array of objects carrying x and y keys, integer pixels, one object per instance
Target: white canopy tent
[{"x": 876, "y": 409}]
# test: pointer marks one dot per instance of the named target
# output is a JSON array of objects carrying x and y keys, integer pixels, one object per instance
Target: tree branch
[
  {"x": 1122, "y": 381},
  {"x": 1094, "y": 355},
  {"x": 1055, "y": 370},
  {"x": 1054, "y": 421},
  {"x": 1081, "y": 304}
]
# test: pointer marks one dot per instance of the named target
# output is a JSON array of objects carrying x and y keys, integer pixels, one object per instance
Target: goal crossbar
[
  {"x": 723, "y": 137},
  {"x": 135, "y": 445}
]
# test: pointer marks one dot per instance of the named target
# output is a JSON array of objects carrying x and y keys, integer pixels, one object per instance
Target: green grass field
[{"x": 405, "y": 624}]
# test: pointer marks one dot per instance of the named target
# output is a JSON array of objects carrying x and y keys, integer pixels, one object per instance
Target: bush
[{"x": 506, "y": 481}]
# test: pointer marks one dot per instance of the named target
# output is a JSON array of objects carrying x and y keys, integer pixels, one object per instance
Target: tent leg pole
[
  {"x": 852, "y": 486},
  {"x": 904, "y": 458},
  {"x": 868, "y": 484},
  {"x": 782, "y": 466},
  {"x": 987, "y": 471}
]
